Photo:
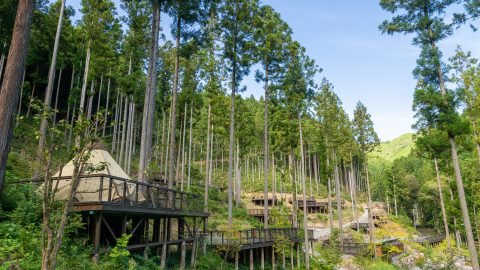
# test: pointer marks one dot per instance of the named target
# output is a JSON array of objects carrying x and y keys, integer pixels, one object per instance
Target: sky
[{"x": 342, "y": 37}]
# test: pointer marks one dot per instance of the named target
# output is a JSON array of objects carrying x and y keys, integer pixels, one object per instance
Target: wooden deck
[
  {"x": 156, "y": 217},
  {"x": 114, "y": 194}
]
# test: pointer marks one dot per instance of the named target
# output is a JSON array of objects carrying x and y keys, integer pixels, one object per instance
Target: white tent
[{"x": 89, "y": 187}]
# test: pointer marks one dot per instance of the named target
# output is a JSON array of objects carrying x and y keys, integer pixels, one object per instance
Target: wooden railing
[
  {"x": 251, "y": 237},
  {"x": 255, "y": 212},
  {"x": 431, "y": 240},
  {"x": 115, "y": 190}
]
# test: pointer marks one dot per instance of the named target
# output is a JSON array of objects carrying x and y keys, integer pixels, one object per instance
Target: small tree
[{"x": 53, "y": 227}]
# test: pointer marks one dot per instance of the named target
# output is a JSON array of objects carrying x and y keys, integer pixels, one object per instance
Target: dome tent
[{"x": 88, "y": 188}]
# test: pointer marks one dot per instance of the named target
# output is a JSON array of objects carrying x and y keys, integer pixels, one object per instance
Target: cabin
[
  {"x": 312, "y": 206},
  {"x": 260, "y": 200}
]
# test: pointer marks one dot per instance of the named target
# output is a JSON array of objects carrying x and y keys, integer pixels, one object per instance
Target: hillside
[{"x": 396, "y": 148}]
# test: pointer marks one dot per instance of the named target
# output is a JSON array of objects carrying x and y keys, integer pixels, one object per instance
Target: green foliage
[
  {"x": 364, "y": 131},
  {"x": 119, "y": 256},
  {"x": 328, "y": 258},
  {"x": 394, "y": 149},
  {"x": 210, "y": 259}
]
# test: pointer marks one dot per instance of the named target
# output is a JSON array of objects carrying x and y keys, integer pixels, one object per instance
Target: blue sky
[{"x": 343, "y": 38}]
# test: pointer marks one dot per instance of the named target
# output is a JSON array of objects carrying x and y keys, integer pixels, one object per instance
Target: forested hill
[{"x": 396, "y": 148}]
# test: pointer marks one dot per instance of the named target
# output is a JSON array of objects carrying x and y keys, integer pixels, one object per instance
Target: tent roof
[{"x": 98, "y": 156}]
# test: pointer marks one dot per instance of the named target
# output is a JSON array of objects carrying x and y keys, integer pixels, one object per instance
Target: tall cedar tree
[
  {"x": 271, "y": 36},
  {"x": 49, "y": 90},
  {"x": 149, "y": 104},
  {"x": 367, "y": 139},
  {"x": 101, "y": 30},
  {"x": 334, "y": 122},
  {"x": 10, "y": 90},
  {"x": 185, "y": 15},
  {"x": 236, "y": 18},
  {"x": 435, "y": 106}
]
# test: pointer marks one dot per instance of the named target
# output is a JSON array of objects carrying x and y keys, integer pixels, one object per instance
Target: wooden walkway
[
  {"x": 430, "y": 240},
  {"x": 253, "y": 238}
]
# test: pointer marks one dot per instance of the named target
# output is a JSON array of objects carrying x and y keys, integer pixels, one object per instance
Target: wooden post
[
  {"x": 124, "y": 224},
  {"x": 194, "y": 244},
  {"x": 145, "y": 236},
  {"x": 163, "y": 259},
  {"x": 262, "y": 258},
  {"x": 251, "y": 259},
  {"x": 156, "y": 235},
  {"x": 182, "y": 255},
  {"x": 291, "y": 255},
  {"x": 273, "y": 258},
  {"x": 283, "y": 259},
  {"x": 236, "y": 254},
  {"x": 298, "y": 254},
  {"x": 204, "y": 232},
  {"x": 96, "y": 237}
]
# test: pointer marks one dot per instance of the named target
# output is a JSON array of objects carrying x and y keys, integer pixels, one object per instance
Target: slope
[{"x": 396, "y": 148}]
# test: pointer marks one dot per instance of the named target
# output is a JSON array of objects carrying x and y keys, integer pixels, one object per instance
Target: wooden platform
[{"x": 156, "y": 217}]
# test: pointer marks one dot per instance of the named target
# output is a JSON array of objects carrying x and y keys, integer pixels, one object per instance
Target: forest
[{"x": 128, "y": 145}]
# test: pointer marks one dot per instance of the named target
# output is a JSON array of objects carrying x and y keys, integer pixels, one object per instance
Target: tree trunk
[
  {"x": 171, "y": 169},
  {"x": 265, "y": 154},
  {"x": 56, "y": 98},
  {"x": 230, "y": 149},
  {"x": 339, "y": 200},
  {"x": 2, "y": 60},
  {"x": 131, "y": 151},
  {"x": 124, "y": 133},
  {"x": 183, "y": 147},
  {"x": 210, "y": 159},
  {"x": 167, "y": 149},
  {"x": 329, "y": 200},
  {"x": 33, "y": 90},
  {"x": 190, "y": 147},
  {"x": 119, "y": 127},
  {"x": 458, "y": 174},
  {"x": 442, "y": 205},
  {"x": 20, "y": 99},
  {"x": 162, "y": 148},
  {"x": 149, "y": 105},
  {"x": 370, "y": 211},
  {"x": 207, "y": 164},
  {"x": 463, "y": 204},
  {"x": 107, "y": 104},
  {"x": 238, "y": 179},
  {"x": 90, "y": 100},
  {"x": 395, "y": 198},
  {"x": 49, "y": 90},
  {"x": 131, "y": 126},
  {"x": 85, "y": 79},
  {"x": 98, "y": 101},
  {"x": 68, "y": 102},
  {"x": 70, "y": 128},
  {"x": 114, "y": 135},
  {"x": 304, "y": 187},
  {"x": 10, "y": 90}
]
